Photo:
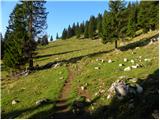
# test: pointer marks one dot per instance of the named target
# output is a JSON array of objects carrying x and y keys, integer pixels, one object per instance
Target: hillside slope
[{"x": 82, "y": 63}]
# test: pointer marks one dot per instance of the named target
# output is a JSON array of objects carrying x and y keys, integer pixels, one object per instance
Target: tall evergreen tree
[
  {"x": 106, "y": 27},
  {"x": 27, "y": 22},
  {"x": 132, "y": 20},
  {"x": 115, "y": 9}
]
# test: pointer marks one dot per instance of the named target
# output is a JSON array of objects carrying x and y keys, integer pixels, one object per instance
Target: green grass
[
  {"x": 46, "y": 83},
  {"x": 38, "y": 85}
]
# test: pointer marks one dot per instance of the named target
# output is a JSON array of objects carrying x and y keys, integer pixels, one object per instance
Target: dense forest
[{"x": 120, "y": 21}]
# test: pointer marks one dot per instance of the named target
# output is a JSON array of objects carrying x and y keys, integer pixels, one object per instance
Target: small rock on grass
[
  {"x": 42, "y": 101},
  {"x": 120, "y": 65},
  {"x": 97, "y": 68},
  {"x": 125, "y": 59},
  {"x": 15, "y": 102},
  {"x": 134, "y": 80},
  {"x": 127, "y": 69},
  {"x": 61, "y": 78},
  {"x": 109, "y": 61}
]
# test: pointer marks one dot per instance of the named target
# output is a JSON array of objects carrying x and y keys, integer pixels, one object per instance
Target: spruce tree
[
  {"x": 78, "y": 32},
  {"x": 64, "y": 34},
  {"x": 27, "y": 22},
  {"x": 106, "y": 28},
  {"x": 86, "y": 34},
  {"x": 51, "y": 39},
  {"x": 92, "y": 27},
  {"x": 99, "y": 25},
  {"x": 115, "y": 9}
]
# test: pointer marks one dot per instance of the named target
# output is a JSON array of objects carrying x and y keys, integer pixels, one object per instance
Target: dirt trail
[
  {"x": 62, "y": 106},
  {"x": 62, "y": 109}
]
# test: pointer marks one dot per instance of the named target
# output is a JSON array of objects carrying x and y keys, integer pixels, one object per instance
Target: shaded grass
[{"x": 38, "y": 85}]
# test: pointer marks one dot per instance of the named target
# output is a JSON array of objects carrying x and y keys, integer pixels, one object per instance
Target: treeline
[{"x": 118, "y": 22}]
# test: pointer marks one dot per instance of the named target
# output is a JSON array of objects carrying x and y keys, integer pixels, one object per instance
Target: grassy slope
[{"x": 46, "y": 83}]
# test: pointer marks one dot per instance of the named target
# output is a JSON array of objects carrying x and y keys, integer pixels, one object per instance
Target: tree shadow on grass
[
  {"x": 139, "y": 43},
  {"x": 139, "y": 106},
  {"x": 75, "y": 59},
  {"x": 54, "y": 112},
  {"x": 48, "y": 55}
]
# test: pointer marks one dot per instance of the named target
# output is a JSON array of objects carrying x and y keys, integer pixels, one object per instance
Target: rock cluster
[{"x": 121, "y": 89}]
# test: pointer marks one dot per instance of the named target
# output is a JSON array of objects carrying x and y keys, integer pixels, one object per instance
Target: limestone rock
[
  {"x": 132, "y": 61},
  {"x": 127, "y": 69},
  {"x": 14, "y": 102},
  {"x": 139, "y": 88},
  {"x": 134, "y": 80},
  {"x": 109, "y": 61},
  {"x": 120, "y": 65},
  {"x": 97, "y": 68},
  {"x": 125, "y": 59},
  {"x": 42, "y": 101}
]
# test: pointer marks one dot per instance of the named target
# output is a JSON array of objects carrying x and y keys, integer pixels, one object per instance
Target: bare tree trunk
[
  {"x": 30, "y": 35},
  {"x": 116, "y": 46}
]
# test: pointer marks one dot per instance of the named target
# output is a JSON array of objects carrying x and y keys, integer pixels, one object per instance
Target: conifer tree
[
  {"x": 78, "y": 32},
  {"x": 115, "y": 9},
  {"x": 64, "y": 34},
  {"x": 99, "y": 25},
  {"x": 92, "y": 27},
  {"x": 86, "y": 34},
  {"x": 51, "y": 39},
  {"x": 27, "y": 22}
]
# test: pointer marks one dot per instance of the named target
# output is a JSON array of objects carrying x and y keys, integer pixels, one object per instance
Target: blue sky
[{"x": 61, "y": 13}]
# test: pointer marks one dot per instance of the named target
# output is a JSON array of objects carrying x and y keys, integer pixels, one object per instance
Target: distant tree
[
  {"x": 78, "y": 32},
  {"x": 69, "y": 32},
  {"x": 64, "y": 34},
  {"x": 51, "y": 39},
  {"x": 92, "y": 27},
  {"x": 86, "y": 34},
  {"x": 99, "y": 25},
  {"x": 45, "y": 40},
  {"x": 74, "y": 29},
  {"x": 82, "y": 28}
]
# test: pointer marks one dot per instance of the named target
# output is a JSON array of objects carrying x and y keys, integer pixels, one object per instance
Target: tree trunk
[
  {"x": 30, "y": 36},
  {"x": 116, "y": 46}
]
